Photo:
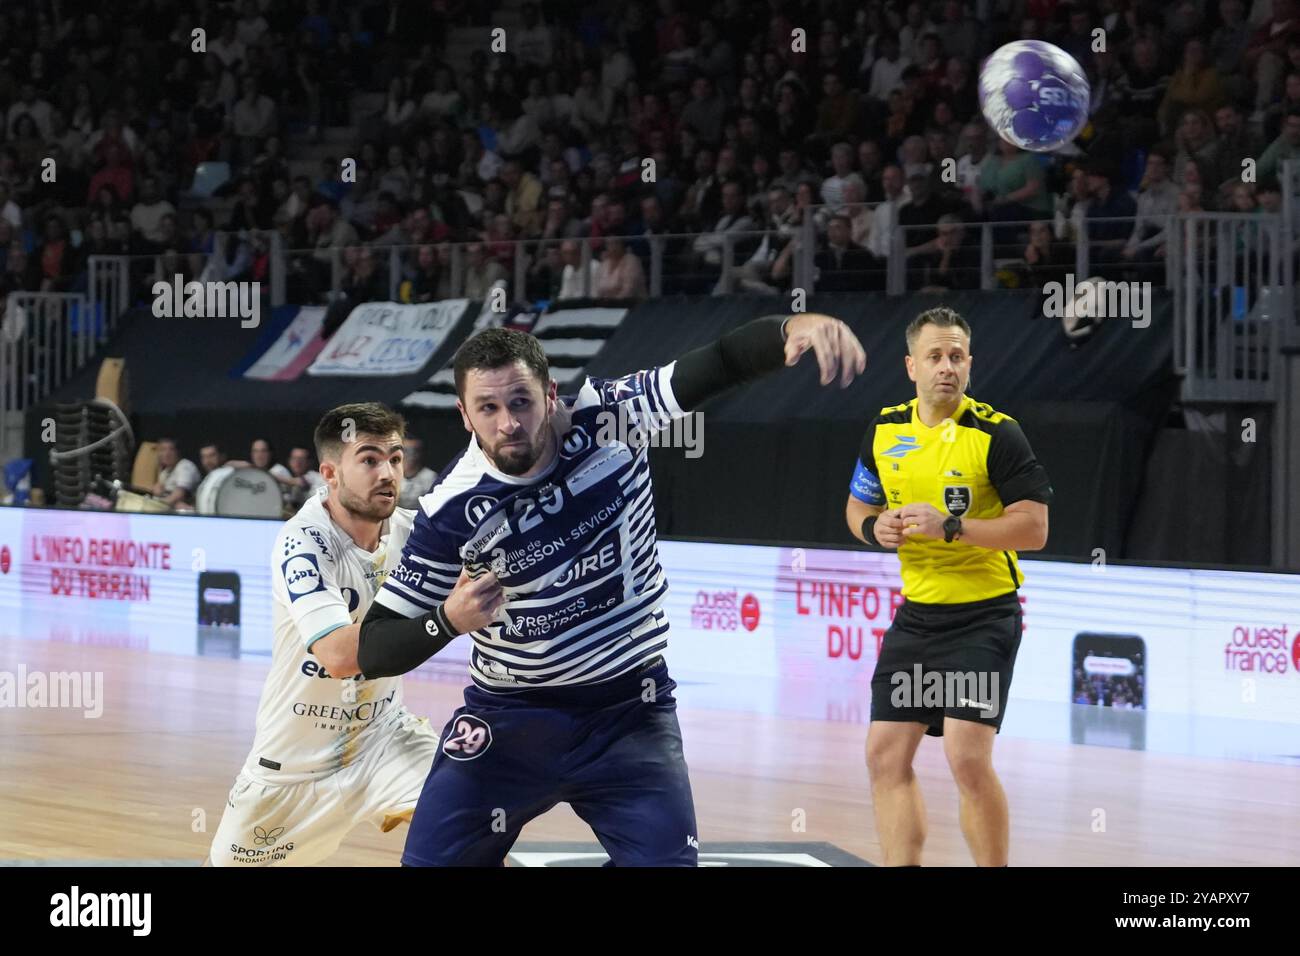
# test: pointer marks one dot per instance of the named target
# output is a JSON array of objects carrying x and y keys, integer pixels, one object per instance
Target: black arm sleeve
[
  {"x": 390, "y": 644},
  {"x": 742, "y": 355},
  {"x": 1013, "y": 469}
]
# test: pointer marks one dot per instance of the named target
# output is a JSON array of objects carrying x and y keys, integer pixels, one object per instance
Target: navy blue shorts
[{"x": 605, "y": 749}]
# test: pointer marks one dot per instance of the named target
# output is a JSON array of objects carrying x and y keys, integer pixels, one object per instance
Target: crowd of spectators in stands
[
  {"x": 756, "y": 141},
  {"x": 179, "y": 478}
]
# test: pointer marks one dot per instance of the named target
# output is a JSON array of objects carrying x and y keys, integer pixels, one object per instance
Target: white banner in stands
[
  {"x": 384, "y": 338},
  {"x": 1222, "y": 645},
  {"x": 294, "y": 350}
]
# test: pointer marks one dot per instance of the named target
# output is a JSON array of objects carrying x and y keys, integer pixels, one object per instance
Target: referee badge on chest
[{"x": 957, "y": 499}]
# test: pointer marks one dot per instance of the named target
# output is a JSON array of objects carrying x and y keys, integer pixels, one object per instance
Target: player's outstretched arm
[
  {"x": 337, "y": 651},
  {"x": 761, "y": 347},
  {"x": 390, "y": 643}
]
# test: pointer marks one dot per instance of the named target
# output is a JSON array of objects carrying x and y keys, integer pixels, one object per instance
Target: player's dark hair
[
  {"x": 344, "y": 423},
  {"x": 497, "y": 348},
  {"x": 942, "y": 316}
]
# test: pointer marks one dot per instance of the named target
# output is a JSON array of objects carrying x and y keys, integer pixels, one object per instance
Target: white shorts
[{"x": 302, "y": 824}]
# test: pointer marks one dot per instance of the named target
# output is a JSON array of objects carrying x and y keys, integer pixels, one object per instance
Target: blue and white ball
[{"x": 1034, "y": 94}]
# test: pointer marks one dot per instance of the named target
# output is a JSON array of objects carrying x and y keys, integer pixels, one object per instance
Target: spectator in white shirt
[
  {"x": 734, "y": 219},
  {"x": 972, "y": 151},
  {"x": 417, "y": 478},
  {"x": 1157, "y": 201},
  {"x": 616, "y": 67},
  {"x": 329, "y": 231},
  {"x": 29, "y": 102},
  {"x": 443, "y": 101},
  {"x": 305, "y": 479},
  {"x": 887, "y": 71},
  {"x": 911, "y": 38},
  {"x": 9, "y": 210},
  {"x": 591, "y": 106},
  {"x": 177, "y": 476},
  {"x": 572, "y": 284},
  {"x": 842, "y": 170},
  {"x": 262, "y": 455},
  {"x": 228, "y": 48},
  {"x": 857, "y": 211},
  {"x": 253, "y": 119},
  {"x": 478, "y": 162},
  {"x": 532, "y": 44},
  {"x": 147, "y": 214},
  {"x": 251, "y": 24},
  {"x": 885, "y": 216}
]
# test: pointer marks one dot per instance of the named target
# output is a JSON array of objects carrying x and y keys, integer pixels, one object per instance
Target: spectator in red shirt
[{"x": 115, "y": 174}]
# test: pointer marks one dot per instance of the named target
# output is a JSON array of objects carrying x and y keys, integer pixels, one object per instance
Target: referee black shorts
[{"x": 948, "y": 660}]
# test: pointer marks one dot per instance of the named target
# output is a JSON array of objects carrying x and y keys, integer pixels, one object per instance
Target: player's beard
[
  {"x": 514, "y": 460},
  {"x": 369, "y": 508}
]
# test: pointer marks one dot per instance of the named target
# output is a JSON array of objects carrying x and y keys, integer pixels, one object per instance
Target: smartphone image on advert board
[
  {"x": 218, "y": 614},
  {"x": 1108, "y": 688}
]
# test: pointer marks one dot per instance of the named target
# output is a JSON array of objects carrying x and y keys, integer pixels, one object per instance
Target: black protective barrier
[{"x": 778, "y": 454}]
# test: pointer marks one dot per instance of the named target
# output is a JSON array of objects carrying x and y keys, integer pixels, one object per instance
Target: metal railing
[
  {"x": 45, "y": 337},
  {"x": 108, "y": 287},
  {"x": 1255, "y": 250},
  {"x": 994, "y": 255},
  {"x": 1234, "y": 306}
]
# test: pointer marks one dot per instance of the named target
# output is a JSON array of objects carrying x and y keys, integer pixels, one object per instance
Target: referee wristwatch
[{"x": 951, "y": 528}]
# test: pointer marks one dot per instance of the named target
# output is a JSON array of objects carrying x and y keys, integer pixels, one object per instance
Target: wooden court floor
[{"x": 148, "y": 779}]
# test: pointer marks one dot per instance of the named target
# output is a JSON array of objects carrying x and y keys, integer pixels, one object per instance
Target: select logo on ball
[{"x": 1034, "y": 94}]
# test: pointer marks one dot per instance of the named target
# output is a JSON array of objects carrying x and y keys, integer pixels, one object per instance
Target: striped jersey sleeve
[
  {"x": 643, "y": 399},
  {"x": 427, "y": 573}
]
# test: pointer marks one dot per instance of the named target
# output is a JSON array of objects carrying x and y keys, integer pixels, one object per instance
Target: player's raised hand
[
  {"x": 474, "y": 602},
  {"x": 839, "y": 353}
]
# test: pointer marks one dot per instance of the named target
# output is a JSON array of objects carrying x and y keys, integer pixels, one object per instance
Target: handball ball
[{"x": 1034, "y": 94}]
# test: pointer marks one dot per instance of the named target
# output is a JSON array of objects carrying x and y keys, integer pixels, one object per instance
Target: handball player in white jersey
[{"x": 332, "y": 749}]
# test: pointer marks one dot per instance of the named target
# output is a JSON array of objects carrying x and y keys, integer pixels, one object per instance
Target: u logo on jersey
[
  {"x": 477, "y": 507},
  {"x": 468, "y": 738},
  {"x": 575, "y": 442}
]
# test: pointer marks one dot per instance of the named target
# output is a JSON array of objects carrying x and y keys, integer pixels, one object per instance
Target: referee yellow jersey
[{"x": 972, "y": 466}]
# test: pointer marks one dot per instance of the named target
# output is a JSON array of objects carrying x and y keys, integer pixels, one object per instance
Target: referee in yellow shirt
[{"x": 954, "y": 487}]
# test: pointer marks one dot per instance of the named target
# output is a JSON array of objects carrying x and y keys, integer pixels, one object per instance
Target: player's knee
[
  {"x": 888, "y": 763},
  {"x": 972, "y": 770}
]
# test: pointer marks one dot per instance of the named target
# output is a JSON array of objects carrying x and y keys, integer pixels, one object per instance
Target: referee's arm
[
  {"x": 865, "y": 513},
  {"x": 1025, "y": 491}
]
